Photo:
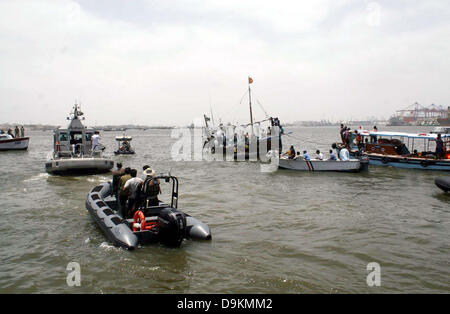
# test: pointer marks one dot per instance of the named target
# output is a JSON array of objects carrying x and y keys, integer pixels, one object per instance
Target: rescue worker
[
  {"x": 122, "y": 194},
  {"x": 133, "y": 188},
  {"x": 151, "y": 188},
  {"x": 115, "y": 179}
]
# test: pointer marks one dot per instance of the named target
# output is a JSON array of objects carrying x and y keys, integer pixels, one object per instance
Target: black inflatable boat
[
  {"x": 443, "y": 183},
  {"x": 151, "y": 224}
]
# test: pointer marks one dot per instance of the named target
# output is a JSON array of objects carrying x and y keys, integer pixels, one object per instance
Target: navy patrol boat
[
  {"x": 162, "y": 223},
  {"x": 73, "y": 152}
]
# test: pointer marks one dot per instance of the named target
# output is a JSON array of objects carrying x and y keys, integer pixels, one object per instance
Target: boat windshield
[{"x": 63, "y": 137}]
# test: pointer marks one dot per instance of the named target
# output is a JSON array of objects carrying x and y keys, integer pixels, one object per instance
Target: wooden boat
[
  {"x": 8, "y": 142},
  {"x": 398, "y": 149},
  {"x": 246, "y": 142}
]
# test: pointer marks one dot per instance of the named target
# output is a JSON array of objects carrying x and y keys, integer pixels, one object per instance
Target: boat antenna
[
  {"x": 210, "y": 109},
  {"x": 250, "y": 81}
]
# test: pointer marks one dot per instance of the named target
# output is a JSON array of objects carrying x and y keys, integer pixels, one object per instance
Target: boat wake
[{"x": 40, "y": 176}]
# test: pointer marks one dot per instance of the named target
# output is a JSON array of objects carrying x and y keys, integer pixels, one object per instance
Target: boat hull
[
  {"x": 101, "y": 205},
  {"x": 410, "y": 163},
  {"x": 323, "y": 165},
  {"x": 20, "y": 143},
  {"x": 68, "y": 166},
  {"x": 443, "y": 183},
  {"x": 118, "y": 152}
]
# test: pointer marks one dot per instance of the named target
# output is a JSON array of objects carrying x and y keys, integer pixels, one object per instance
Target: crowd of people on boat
[
  {"x": 232, "y": 135},
  {"x": 344, "y": 154},
  {"x": 133, "y": 192},
  {"x": 18, "y": 132}
]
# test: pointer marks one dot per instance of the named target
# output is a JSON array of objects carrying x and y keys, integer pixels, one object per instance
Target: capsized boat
[
  {"x": 406, "y": 150},
  {"x": 443, "y": 183},
  {"x": 73, "y": 152},
  {"x": 8, "y": 142},
  {"x": 124, "y": 147},
  {"x": 163, "y": 223}
]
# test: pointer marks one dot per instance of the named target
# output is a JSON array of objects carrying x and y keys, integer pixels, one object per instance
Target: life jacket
[{"x": 151, "y": 189}]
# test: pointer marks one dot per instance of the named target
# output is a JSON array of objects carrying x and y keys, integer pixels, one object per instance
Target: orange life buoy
[
  {"x": 138, "y": 215},
  {"x": 144, "y": 225}
]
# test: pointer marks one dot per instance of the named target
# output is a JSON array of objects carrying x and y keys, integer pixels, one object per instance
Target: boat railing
[{"x": 74, "y": 151}]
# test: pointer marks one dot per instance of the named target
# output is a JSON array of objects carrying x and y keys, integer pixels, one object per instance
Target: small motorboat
[
  {"x": 73, "y": 152},
  {"x": 300, "y": 164},
  {"x": 8, "y": 142},
  {"x": 443, "y": 183},
  {"x": 163, "y": 223},
  {"x": 124, "y": 147}
]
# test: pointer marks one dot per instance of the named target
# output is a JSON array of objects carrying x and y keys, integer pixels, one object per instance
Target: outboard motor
[{"x": 172, "y": 227}]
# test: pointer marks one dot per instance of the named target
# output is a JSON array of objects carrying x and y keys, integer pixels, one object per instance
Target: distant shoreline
[{"x": 48, "y": 127}]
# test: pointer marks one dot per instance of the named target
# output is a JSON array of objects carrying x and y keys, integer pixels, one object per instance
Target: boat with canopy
[
  {"x": 124, "y": 147},
  {"x": 405, "y": 150}
]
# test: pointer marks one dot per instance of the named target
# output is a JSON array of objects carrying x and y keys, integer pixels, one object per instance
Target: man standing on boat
[
  {"x": 22, "y": 131},
  {"x": 16, "y": 132},
  {"x": 133, "y": 187},
  {"x": 151, "y": 188},
  {"x": 95, "y": 138},
  {"x": 122, "y": 194},
  {"x": 439, "y": 147}
]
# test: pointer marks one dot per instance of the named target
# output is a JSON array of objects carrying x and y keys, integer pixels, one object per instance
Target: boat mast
[{"x": 250, "y": 80}]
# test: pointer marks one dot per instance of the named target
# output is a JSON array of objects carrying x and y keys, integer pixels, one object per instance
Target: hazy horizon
[{"x": 166, "y": 63}]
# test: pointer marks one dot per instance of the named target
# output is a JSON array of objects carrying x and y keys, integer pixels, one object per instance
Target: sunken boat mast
[{"x": 73, "y": 149}]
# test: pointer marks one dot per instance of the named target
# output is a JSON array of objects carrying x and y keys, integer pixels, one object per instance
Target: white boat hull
[
  {"x": 14, "y": 144},
  {"x": 352, "y": 165},
  {"x": 78, "y": 165}
]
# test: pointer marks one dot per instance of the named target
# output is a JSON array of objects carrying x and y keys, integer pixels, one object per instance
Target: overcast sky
[{"x": 162, "y": 62}]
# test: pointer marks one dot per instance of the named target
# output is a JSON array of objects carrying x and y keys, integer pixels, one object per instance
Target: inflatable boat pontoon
[
  {"x": 151, "y": 224},
  {"x": 443, "y": 183}
]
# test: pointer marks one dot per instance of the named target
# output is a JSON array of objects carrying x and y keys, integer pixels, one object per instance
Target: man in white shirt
[
  {"x": 133, "y": 187},
  {"x": 344, "y": 154},
  {"x": 95, "y": 138},
  {"x": 319, "y": 155}
]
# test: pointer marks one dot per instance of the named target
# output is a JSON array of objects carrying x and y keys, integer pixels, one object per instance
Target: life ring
[
  {"x": 138, "y": 215},
  {"x": 384, "y": 160}
]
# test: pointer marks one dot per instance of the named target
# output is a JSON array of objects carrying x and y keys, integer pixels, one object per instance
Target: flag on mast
[{"x": 250, "y": 80}]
